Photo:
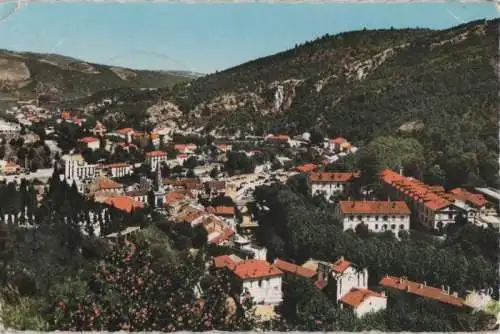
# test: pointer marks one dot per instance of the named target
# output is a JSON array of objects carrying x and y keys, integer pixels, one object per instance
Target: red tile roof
[
  {"x": 420, "y": 289},
  {"x": 341, "y": 265},
  {"x": 433, "y": 198},
  {"x": 294, "y": 269},
  {"x": 339, "y": 140},
  {"x": 223, "y": 261},
  {"x": 356, "y": 296},
  {"x": 123, "y": 203},
  {"x": 333, "y": 177},
  {"x": 371, "y": 207},
  {"x": 88, "y": 140},
  {"x": 221, "y": 210},
  {"x": 105, "y": 183},
  {"x": 255, "y": 269},
  {"x": 125, "y": 131},
  {"x": 306, "y": 168},
  {"x": 279, "y": 137},
  {"x": 477, "y": 200}
]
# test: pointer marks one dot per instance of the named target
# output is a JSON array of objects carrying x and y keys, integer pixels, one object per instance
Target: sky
[{"x": 206, "y": 37}]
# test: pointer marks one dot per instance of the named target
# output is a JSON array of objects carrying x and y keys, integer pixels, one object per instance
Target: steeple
[{"x": 159, "y": 190}]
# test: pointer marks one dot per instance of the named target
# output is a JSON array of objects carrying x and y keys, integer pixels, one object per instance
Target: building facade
[
  {"x": 378, "y": 216},
  {"x": 330, "y": 183}
]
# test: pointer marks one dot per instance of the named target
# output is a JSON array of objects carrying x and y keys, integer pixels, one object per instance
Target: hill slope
[
  {"x": 23, "y": 75},
  {"x": 440, "y": 87}
]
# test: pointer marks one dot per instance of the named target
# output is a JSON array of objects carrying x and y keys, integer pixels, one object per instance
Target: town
[{"x": 216, "y": 184}]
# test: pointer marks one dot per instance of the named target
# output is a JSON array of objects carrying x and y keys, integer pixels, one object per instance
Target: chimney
[
  {"x": 455, "y": 294},
  {"x": 425, "y": 283},
  {"x": 442, "y": 289},
  {"x": 448, "y": 290},
  {"x": 382, "y": 293},
  {"x": 420, "y": 286},
  {"x": 341, "y": 258}
]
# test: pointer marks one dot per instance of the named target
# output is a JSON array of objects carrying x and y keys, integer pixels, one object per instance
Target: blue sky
[{"x": 206, "y": 37}]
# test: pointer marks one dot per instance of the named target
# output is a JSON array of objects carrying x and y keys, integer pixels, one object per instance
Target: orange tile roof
[
  {"x": 341, "y": 265},
  {"x": 279, "y": 137},
  {"x": 432, "y": 197},
  {"x": 476, "y": 200},
  {"x": 249, "y": 269},
  {"x": 125, "y": 131},
  {"x": 224, "y": 236},
  {"x": 339, "y": 140},
  {"x": 356, "y": 296},
  {"x": 156, "y": 154},
  {"x": 332, "y": 177},
  {"x": 123, "y": 203},
  {"x": 175, "y": 196},
  {"x": 306, "y": 168},
  {"x": 421, "y": 290},
  {"x": 380, "y": 207},
  {"x": 221, "y": 210},
  {"x": 223, "y": 261},
  {"x": 294, "y": 269},
  {"x": 105, "y": 183},
  {"x": 88, "y": 140},
  {"x": 65, "y": 115}
]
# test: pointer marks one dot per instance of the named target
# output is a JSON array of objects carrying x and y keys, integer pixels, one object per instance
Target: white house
[
  {"x": 261, "y": 279},
  {"x": 378, "y": 216},
  {"x": 330, "y": 183},
  {"x": 364, "y": 301},
  {"x": 9, "y": 128},
  {"x": 90, "y": 143},
  {"x": 349, "y": 284}
]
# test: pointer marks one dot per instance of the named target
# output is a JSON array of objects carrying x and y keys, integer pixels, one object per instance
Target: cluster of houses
[{"x": 343, "y": 281}]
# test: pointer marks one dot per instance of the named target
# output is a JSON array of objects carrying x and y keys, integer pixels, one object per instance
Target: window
[
  {"x": 393, "y": 217},
  {"x": 402, "y": 217},
  {"x": 384, "y": 227},
  {"x": 450, "y": 215},
  {"x": 350, "y": 218},
  {"x": 393, "y": 226},
  {"x": 260, "y": 284},
  {"x": 359, "y": 217},
  {"x": 385, "y": 218},
  {"x": 376, "y": 218},
  {"x": 401, "y": 227},
  {"x": 376, "y": 226}
]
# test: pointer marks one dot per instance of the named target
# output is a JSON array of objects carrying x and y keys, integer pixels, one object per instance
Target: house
[
  {"x": 90, "y": 143},
  {"x": 430, "y": 206},
  {"x": 215, "y": 188},
  {"x": 9, "y": 168},
  {"x": 364, "y": 301},
  {"x": 155, "y": 158},
  {"x": 262, "y": 280},
  {"x": 330, "y": 183},
  {"x": 339, "y": 144},
  {"x": 349, "y": 284},
  {"x": 475, "y": 207},
  {"x": 422, "y": 290},
  {"x": 126, "y": 133},
  {"x": 8, "y": 128},
  {"x": 224, "y": 148},
  {"x": 104, "y": 184},
  {"x": 306, "y": 168},
  {"x": 218, "y": 233},
  {"x": 140, "y": 196},
  {"x": 378, "y": 216},
  {"x": 277, "y": 140},
  {"x": 227, "y": 212},
  {"x": 98, "y": 130},
  {"x": 185, "y": 148}
]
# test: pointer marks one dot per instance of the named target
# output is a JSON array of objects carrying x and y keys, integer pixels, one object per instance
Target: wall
[
  {"x": 371, "y": 304},
  {"x": 400, "y": 222},
  {"x": 269, "y": 291}
]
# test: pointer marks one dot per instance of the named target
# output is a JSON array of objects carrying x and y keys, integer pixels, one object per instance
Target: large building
[
  {"x": 330, "y": 183},
  {"x": 378, "y": 216},
  {"x": 435, "y": 208},
  {"x": 76, "y": 168},
  {"x": 259, "y": 278},
  {"x": 430, "y": 206}
]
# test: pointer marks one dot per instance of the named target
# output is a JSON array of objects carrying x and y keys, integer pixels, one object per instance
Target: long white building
[
  {"x": 76, "y": 168},
  {"x": 330, "y": 183},
  {"x": 378, "y": 216}
]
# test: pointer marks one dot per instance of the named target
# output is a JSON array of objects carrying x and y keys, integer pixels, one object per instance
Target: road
[{"x": 41, "y": 174}]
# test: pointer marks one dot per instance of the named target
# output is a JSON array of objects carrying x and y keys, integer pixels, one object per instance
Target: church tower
[{"x": 159, "y": 190}]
